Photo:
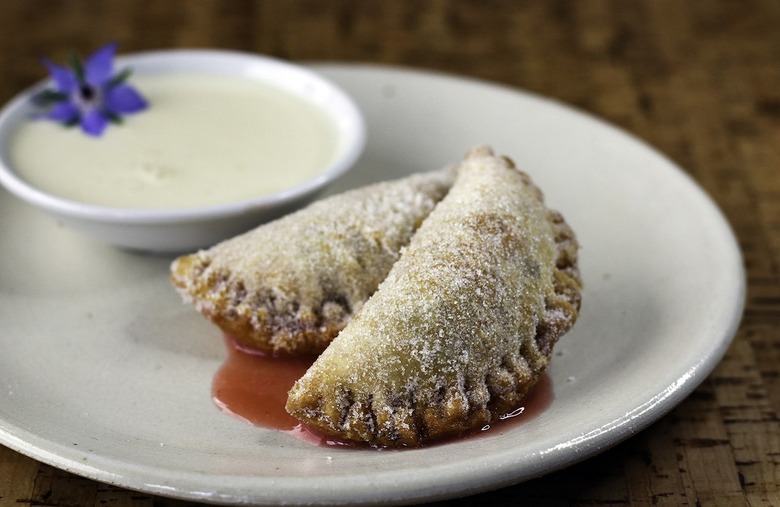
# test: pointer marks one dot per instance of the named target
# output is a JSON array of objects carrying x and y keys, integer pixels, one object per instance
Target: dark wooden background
[{"x": 698, "y": 79}]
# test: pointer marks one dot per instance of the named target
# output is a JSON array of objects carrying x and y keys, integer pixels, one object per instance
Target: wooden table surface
[{"x": 699, "y": 80}]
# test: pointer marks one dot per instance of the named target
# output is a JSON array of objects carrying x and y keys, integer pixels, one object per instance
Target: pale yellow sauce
[{"x": 203, "y": 140}]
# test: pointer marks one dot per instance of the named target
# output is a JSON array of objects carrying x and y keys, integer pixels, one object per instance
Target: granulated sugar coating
[
  {"x": 289, "y": 286},
  {"x": 464, "y": 323}
]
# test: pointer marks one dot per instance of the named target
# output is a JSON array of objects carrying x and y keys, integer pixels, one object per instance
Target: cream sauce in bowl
[
  {"x": 229, "y": 140},
  {"x": 204, "y": 140}
]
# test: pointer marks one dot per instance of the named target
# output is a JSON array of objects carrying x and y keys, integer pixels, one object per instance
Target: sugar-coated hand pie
[{"x": 434, "y": 301}]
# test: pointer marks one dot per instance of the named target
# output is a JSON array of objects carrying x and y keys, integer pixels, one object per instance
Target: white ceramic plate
[{"x": 105, "y": 373}]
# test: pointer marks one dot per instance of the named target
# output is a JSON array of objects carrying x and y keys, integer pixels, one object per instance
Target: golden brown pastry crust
[
  {"x": 462, "y": 327},
  {"x": 289, "y": 286}
]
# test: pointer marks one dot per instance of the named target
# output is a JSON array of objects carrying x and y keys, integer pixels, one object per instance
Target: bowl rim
[{"x": 208, "y": 61}]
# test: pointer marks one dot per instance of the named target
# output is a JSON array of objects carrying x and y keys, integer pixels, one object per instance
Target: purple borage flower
[{"x": 89, "y": 94}]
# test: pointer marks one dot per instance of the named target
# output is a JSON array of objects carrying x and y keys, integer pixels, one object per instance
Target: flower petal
[
  {"x": 94, "y": 123},
  {"x": 64, "y": 79},
  {"x": 63, "y": 112},
  {"x": 124, "y": 99},
  {"x": 99, "y": 66}
]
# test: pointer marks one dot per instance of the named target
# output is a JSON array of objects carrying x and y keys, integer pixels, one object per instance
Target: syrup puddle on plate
[{"x": 253, "y": 387}]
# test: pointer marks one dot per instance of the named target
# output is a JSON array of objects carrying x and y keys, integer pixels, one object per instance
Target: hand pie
[
  {"x": 463, "y": 325},
  {"x": 289, "y": 286}
]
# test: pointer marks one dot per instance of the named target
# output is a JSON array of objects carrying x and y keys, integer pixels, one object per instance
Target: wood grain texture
[{"x": 698, "y": 80}]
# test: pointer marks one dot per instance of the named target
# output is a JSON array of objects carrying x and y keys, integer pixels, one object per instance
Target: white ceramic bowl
[{"x": 178, "y": 230}]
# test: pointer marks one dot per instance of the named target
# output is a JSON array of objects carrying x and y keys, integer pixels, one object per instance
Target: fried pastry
[
  {"x": 462, "y": 327},
  {"x": 289, "y": 286}
]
